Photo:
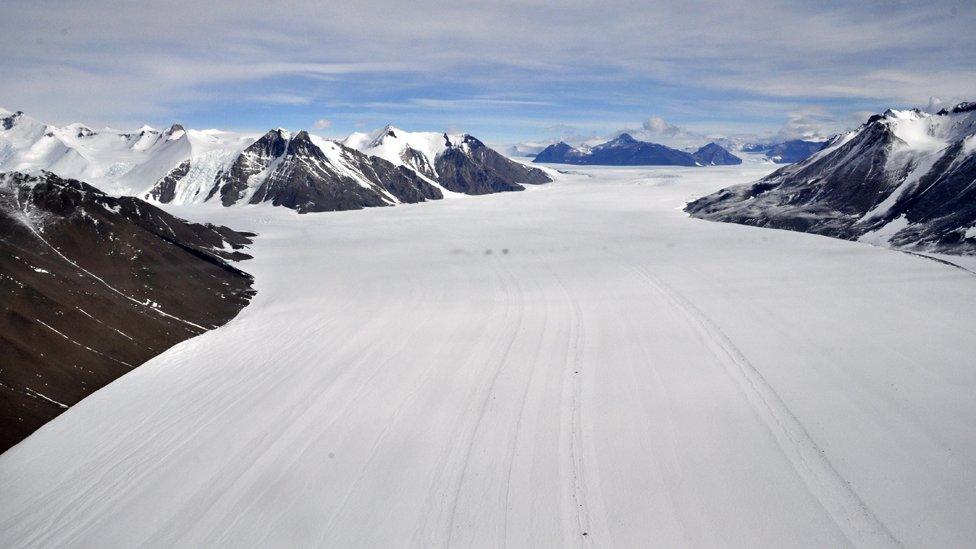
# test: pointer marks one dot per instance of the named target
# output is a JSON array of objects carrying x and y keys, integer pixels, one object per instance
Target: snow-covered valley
[{"x": 580, "y": 363}]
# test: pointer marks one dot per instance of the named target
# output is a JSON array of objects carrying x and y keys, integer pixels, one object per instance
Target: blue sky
[{"x": 508, "y": 72}]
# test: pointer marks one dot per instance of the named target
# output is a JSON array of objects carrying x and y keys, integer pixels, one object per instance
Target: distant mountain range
[
  {"x": 95, "y": 285},
  {"x": 906, "y": 179},
  {"x": 301, "y": 171},
  {"x": 624, "y": 150},
  {"x": 786, "y": 152}
]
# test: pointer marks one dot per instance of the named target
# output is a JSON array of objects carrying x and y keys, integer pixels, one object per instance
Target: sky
[{"x": 508, "y": 72}]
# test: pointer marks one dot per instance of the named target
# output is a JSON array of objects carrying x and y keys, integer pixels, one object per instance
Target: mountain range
[
  {"x": 905, "y": 179},
  {"x": 624, "y": 150},
  {"x": 786, "y": 152},
  {"x": 299, "y": 171}
]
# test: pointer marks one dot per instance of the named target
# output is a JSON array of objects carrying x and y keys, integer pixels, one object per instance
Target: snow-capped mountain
[
  {"x": 93, "y": 286},
  {"x": 904, "y": 178},
  {"x": 624, "y": 150},
  {"x": 118, "y": 162},
  {"x": 457, "y": 163},
  {"x": 300, "y": 171},
  {"x": 786, "y": 152}
]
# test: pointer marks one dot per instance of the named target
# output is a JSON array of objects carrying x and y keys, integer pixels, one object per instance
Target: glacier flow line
[
  {"x": 30, "y": 226},
  {"x": 835, "y": 493},
  {"x": 939, "y": 260}
]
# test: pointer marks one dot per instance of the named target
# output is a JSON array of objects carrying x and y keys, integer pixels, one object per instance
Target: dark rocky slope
[
  {"x": 470, "y": 167},
  {"x": 714, "y": 154},
  {"x": 95, "y": 285}
]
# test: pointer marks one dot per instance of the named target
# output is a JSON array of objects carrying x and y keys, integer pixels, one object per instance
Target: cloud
[
  {"x": 322, "y": 124},
  {"x": 707, "y": 66},
  {"x": 282, "y": 99},
  {"x": 812, "y": 123},
  {"x": 658, "y": 126}
]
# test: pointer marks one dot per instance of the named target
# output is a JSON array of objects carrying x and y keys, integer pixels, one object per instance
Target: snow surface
[{"x": 526, "y": 368}]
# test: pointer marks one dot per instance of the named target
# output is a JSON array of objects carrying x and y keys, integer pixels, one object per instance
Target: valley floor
[{"x": 577, "y": 364}]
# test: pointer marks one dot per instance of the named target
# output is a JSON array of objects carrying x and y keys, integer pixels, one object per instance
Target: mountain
[
  {"x": 715, "y": 155},
  {"x": 561, "y": 153},
  {"x": 905, "y": 179},
  {"x": 309, "y": 174},
  {"x": 300, "y": 171},
  {"x": 95, "y": 285},
  {"x": 786, "y": 152},
  {"x": 624, "y": 150},
  {"x": 119, "y": 162},
  {"x": 458, "y": 163}
]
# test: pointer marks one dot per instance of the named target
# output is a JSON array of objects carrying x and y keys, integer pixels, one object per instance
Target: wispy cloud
[{"x": 704, "y": 67}]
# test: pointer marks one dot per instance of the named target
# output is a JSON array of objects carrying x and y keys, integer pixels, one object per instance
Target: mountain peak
[
  {"x": 624, "y": 138},
  {"x": 9, "y": 118},
  {"x": 714, "y": 154},
  {"x": 965, "y": 106}
]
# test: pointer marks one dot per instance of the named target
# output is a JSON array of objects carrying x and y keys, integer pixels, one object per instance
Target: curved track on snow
[{"x": 577, "y": 364}]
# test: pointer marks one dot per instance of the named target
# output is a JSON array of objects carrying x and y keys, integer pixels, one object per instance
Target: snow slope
[
  {"x": 115, "y": 161},
  {"x": 577, "y": 364}
]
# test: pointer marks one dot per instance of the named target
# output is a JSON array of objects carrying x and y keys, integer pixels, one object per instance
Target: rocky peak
[
  {"x": 623, "y": 139},
  {"x": 966, "y": 106},
  {"x": 301, "y": 145},
  {"x": 8, "y": 121}
]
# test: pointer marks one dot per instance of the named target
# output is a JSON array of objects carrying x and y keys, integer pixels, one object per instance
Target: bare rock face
[
  {"x": 94, "y": 286},
  {"x": 470, "y": 167},
  {"x": 165, "y": 189},
  {"x": 232, "y": 184},
  {"x": 903, "y": 179}
]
